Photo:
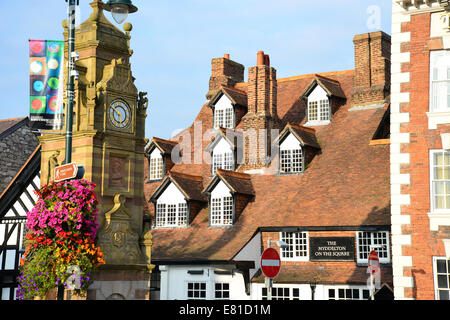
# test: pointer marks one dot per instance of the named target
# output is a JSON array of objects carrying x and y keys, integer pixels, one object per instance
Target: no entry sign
[
  {"x": 270, "y": 263},
  {"x": 374, "y": 262}
]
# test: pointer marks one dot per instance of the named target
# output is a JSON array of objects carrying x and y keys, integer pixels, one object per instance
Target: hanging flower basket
[{"x": 60, "y": 244}]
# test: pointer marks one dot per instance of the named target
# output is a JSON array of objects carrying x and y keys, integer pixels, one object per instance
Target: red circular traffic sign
[
  {"x": 270, "y": 263},
  {"x": 374, "y": 262}
]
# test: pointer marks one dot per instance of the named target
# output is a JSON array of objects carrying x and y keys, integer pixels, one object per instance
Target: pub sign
[{"x": 332, "y": 248}]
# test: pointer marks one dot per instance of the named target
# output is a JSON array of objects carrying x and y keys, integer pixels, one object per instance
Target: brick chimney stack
[
  {"x": 262, "y": 115},
  {"x": 225, "y": 72},
  {"x": 371, "y": 83}
]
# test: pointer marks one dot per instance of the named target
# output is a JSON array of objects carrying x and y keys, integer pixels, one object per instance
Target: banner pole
[{"x": 70, "y": 82}]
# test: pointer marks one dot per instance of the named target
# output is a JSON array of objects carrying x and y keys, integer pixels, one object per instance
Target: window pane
[
  {"x": 228, "y": 118},
  {"x": 10, "y": 259},
  {"x": 442, "y": 281},
  {"x": 441, "y": 266},
  {"x": 443, "y": 295},
  {"x": 331, "y": 293},
  {"x": 324, "y": 110},
  {"x": 312, "y": 111}
]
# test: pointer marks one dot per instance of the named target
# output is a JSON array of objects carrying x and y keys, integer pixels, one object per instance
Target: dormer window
[
  {"x": 318, "y": 110},
  {"x": 225, "y": 190},
  {"x": 222, "y": 150},
  {"x": 171, "y": 209},
  {"x": 222, "y": 211},
  {"x": 318, "y": 107},
  {"x": 297, "y": 146},
  {"x": 177, "y": 200},
  {"x": 291, "y": 155},
  {"x": 224, "y": 114},
  {"x": 228, "y": 107},
  {"x": 159, "y": 154},
  {"x": 156, "y": 165},
  {"x": 322, "y": 97},
  {"x": 222, "y": 161}
]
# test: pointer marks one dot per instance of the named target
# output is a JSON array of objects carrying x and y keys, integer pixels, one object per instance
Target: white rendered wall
[
  {"x": 156, "y": 154},
  {"x": 222, "y": 147},
  {"x": 223, "y": 103},
  {"x": 172, "y": 195},
  {"x": 251, "y": 252},
  {"x": 317, "y": 94},
  {"x": 290, "y": 143},
  {"x": 175, "y": 279},
  {"x": 221, "y": 190}
]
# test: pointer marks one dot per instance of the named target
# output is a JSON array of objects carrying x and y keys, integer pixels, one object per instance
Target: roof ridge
[
  {"x": 234, "y": 174},
  {"x": 13, "y": 119},
  {"x": 305, "y": 76},
  {"x": 234, "y": 89},
  {"x": 327, "y": 79},
  {"x": 164, "y": 140},
  {"x": 311, "y": 130}
]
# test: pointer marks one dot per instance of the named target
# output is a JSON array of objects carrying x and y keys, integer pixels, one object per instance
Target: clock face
[{"x": 119, "y": 114}]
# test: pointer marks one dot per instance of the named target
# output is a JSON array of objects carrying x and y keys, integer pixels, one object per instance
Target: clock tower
[{"x": 109, "y": 140}]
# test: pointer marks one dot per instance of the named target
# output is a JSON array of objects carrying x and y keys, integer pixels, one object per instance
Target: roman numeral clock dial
[{"x": 120, "y": 114}]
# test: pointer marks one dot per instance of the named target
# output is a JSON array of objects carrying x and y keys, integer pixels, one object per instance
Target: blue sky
[{"x": 174, "y": 42}]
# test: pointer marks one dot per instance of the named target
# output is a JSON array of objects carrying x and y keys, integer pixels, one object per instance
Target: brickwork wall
[
  {"x": 415, "y": 241},
  {"x": 224, "y": 72},
  {"x": 372, "y": 68}
]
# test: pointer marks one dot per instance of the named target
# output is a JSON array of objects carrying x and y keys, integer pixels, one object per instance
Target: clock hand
[{"x": 120, "y": 115}]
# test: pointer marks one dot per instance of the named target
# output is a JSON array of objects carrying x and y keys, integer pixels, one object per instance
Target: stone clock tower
[{"x": 109, "y": 140}]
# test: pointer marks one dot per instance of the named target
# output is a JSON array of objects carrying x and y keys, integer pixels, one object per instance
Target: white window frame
[
  {"x": 432, "y": 180},
  {"x": 156, "y": 168},
  {"x": 221, "y": 290},
  {"x": 221, "y": 211},
  {"x": 373, "y": 240},
  {"x": 346, "y": 288},
  {"x": 435, "y": 276},
  {"x": 444, "y": 55},
  {"x": 442, "y": 115},
  {"x": 288, "y": 159},
  {"x": 224, "y": 118},
  {"x": 181, "y": 215},
  {"x": 222, "y": 160},
  {"x": 194, "y": 283},
  {"x": 300, "y": 238},
  {"x": 322, "y": 107}
]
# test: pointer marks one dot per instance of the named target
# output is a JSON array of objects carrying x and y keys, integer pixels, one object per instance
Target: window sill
[
  {"x": 317, "y": 123},
  {"x": 170, "y": 227},
  {"x": 438, "y": 219},
  {"x": 435, "y": 118}
]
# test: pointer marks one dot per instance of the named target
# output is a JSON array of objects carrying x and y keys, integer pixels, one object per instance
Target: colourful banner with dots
[{"x": 46, "y": 84}]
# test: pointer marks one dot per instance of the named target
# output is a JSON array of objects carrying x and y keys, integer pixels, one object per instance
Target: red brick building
[
  {"x": 420, "y": 118},
  {"x": 303, "y": 160}
]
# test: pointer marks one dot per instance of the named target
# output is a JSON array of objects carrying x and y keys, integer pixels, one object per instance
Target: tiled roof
[
  {"x": 165, "y": 146},
  {"x": 346, "y": 184},
  {"x": 191, "y": 186},
  {"x": 237, "y": 97},
  {"x": 237, "y": 182},
  {"x": 331, "y": 86},
  {"x": 229, "y": 135},
  {"x": 9, "y": 125},
  {"x": 304, "y": 134}
]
